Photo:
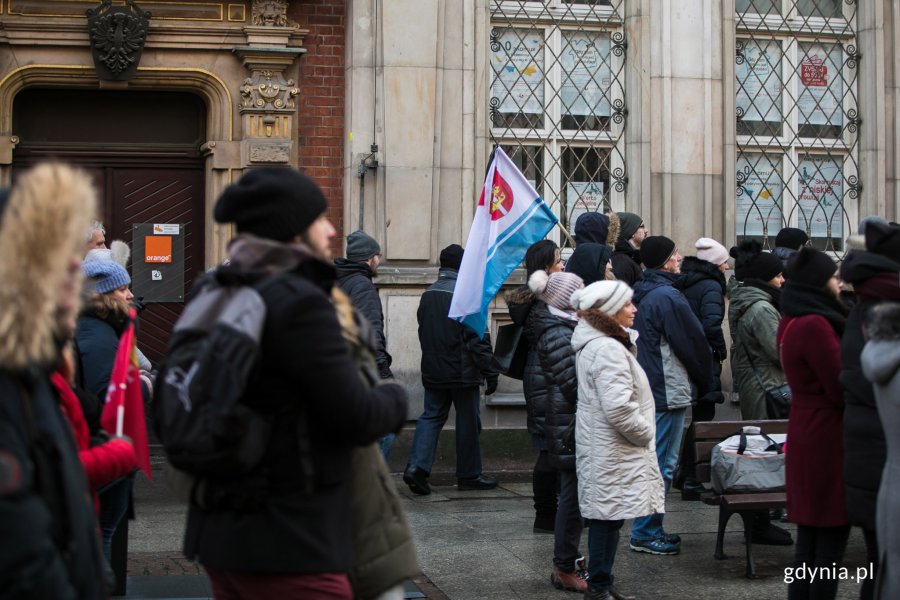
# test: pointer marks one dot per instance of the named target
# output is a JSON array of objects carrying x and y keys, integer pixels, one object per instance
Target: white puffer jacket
[{"x": 615, "y": 426}]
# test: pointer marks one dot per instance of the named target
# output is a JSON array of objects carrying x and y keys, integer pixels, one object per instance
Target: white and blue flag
[{"x": 509, "y": 218}]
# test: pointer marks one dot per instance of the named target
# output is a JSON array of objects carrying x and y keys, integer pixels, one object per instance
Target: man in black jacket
[
  {"x": 355, "y": 275},
  {"x": 454, "y": 363},
  {"x": 626, "y": 257}
]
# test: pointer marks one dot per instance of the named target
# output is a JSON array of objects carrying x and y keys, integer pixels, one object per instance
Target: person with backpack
[
  {"x": 281, "y": 528},
  {"x": 51, "y": 546}
]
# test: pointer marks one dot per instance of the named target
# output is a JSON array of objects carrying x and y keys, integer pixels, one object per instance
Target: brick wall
[{"x": 321, "y": 107}]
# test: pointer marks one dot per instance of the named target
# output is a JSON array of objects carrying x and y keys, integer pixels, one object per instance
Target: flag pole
[{"x": 566, "y": 233}]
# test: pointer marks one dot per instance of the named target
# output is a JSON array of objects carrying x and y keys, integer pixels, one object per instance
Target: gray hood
[{"x": 881, "y": 360}]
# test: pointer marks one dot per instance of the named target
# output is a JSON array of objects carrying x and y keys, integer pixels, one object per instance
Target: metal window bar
[
  {"x": 797, "y": 120},
  {"x": 557, "y": 99}
]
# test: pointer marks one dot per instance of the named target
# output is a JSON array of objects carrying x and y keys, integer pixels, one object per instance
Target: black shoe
[
  {"x": 476, "y": 483},
  {"x": 592, "y": 595},
  {"x": 771, "y": 536},
  {"x": 544, "y": 525},
  {"x": 692, "y": 490},
  {"x": 617, "y": 595},
  {"x": 417, "y": 480}
]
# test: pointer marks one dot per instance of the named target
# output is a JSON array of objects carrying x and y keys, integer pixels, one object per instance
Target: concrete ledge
[{"x": 506, "y": 451}]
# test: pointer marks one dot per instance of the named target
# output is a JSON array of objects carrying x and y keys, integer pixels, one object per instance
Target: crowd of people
[{"x": 625, "y": 341}]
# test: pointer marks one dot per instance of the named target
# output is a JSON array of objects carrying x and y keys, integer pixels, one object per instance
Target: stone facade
[{"x": 386, "y": 105}]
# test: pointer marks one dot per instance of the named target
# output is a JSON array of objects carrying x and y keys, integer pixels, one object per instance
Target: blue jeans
[
  {"x": 114, "y": 499},
  {"x": 467, "y": 402},
  {"x": 603, "y": 539},
  {"x": 384, "y": 444},
  {"x": 669, "y": 429}
]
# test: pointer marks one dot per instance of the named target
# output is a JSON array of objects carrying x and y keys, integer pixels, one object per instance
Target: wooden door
[
  {"x": 159, "y": 195},
  {"x": 142, "y": 149}
]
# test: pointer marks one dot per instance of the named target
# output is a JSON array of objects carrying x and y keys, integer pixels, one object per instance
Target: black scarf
[
  {"x": 799, "y": 299},
  {"x": 773, "y": 292}
]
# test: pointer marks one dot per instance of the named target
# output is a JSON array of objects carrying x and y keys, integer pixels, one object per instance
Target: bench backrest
[{"x": 709, "y": 433}]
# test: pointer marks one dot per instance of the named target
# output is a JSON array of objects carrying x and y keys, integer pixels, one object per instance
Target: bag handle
[{"x": 773, "y": 445}]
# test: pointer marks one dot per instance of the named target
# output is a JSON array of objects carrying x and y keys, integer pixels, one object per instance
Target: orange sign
[{"x": 158, "y": 249}]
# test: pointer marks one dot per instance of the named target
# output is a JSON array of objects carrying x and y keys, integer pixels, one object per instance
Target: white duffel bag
[{"x": 749, "y": 461}]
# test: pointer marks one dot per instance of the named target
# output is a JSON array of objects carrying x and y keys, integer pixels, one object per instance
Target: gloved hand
[{"x": 491, "y": 385}]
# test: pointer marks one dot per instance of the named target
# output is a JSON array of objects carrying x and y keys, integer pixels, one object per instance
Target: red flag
[{"x": 124, "y": 409}]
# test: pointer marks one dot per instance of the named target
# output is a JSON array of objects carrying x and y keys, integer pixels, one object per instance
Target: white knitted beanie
[
  {"x": 608, "y": 296},
  {"x": 711, "y": 251}
]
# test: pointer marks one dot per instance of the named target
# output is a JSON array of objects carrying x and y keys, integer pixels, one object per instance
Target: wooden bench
[{"x": 706, "y": 436}]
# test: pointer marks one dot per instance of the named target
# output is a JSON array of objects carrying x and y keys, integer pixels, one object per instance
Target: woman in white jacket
[{"x": 615, "y": 428}]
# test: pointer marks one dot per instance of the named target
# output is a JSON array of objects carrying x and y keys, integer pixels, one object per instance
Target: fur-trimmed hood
[
  {"x": 608, "y": 327},
  {"x": 42, "y": 229}
]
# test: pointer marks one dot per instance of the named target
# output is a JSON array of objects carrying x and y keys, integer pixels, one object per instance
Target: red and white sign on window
[{"x": 813, "y": 72}]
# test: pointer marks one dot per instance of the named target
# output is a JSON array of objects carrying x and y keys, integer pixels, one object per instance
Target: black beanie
[
  {"x": 656, "y": 250},
  {"x": 750, "y": 262},
  {"x": 812, "y": 267},
  {"x": 589, "y": 261},
  {"x": 591, "y": 227},
  {"x": 451, "y": 257},
  {"x": 275, "y": 203},
  {"x": 883, "y": 240},
  {"x": 791, "y": 237}
]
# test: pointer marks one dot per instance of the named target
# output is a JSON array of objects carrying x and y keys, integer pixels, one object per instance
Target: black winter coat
[
  {"x": 355, "y": 279},
  {"x": 51, "y": 545},
  {"x": 626, "y": 263},
  {"x": 865, "y": 450},
  {"x": 97, "y": 341},
  {"x": 309, "y": 385},
  {"x": 560, "y": 385},
  {"x": 703, "y": 284},
  {"x": 452, "y": 355},
  {"x": 521, "y": 303}
]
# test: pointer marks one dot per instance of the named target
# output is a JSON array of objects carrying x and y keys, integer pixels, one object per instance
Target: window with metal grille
[
  {"x": 557, "y": 101},
  {"x": 797, "y": 120}
]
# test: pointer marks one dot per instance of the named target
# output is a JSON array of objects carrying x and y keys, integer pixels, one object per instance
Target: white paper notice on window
[
  {"x": 517, "y": 59},
  {"x": 582, "y": 197},
  {"x": 759, "y": 195},
  {"x": 586, "y": 74},
  {"x": 759, "y": 81},
  {"x": 821, "y": 86},
  {"x": 821, "y": 183}
]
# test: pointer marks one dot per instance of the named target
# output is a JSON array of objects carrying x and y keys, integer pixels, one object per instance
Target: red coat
[
  {"x": 810, "y": 355},
  {"x": 104, "y": 463}
]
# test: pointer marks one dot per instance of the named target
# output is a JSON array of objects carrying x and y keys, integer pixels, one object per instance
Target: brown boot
[
  {"x": 617, "y": 595},
  {"x": 589, "y": 595},
  {"x": 569, "y": 582}
]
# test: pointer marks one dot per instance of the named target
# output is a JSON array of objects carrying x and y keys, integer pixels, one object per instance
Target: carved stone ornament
[
  {"x": 117, "y": 35},
  {"x": 270, "y": 13},
  {"x": 269, "y": 91}
]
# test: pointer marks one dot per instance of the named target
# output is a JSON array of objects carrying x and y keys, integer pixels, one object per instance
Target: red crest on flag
[{"x": 501, "y": 197}]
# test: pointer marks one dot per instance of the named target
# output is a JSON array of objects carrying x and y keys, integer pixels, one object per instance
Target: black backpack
[{"x": 212, "y": 356}]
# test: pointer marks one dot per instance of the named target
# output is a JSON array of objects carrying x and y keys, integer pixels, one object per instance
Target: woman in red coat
[{"x": 809, "y": 336}]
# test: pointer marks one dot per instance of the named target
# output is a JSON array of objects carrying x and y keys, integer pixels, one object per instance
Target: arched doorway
[{"x": 143, "y": 150}]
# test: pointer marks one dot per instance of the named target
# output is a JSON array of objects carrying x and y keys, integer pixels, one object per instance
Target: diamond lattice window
[
  {"x": 797, "y": 119},
  {"x": 557, "y": 102}
]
